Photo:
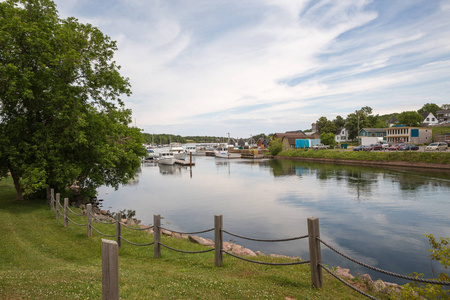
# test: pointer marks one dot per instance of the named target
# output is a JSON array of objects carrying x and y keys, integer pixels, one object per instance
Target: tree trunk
[{"x": 19, "y": 189}]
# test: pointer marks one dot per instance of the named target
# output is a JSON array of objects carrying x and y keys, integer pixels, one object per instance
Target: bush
[
  {"x": 440, "y": 252},
  {"x": 327, "y": 139},
  {"x": 275, "y": 146}
]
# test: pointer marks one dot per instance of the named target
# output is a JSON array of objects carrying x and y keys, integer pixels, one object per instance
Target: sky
[{"x": 202, "y": 67}]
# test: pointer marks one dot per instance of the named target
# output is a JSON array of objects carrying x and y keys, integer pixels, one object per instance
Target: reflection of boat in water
[
  {"x": 222, "y": 152},
  {"x": 166, "y": 158},
  {"x": 167, "y": 169},
  {"x": 177, "y": 150}
]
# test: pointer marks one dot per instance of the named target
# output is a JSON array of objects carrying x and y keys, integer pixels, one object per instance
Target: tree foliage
[
  {"x": 440, "y": 252},
  {"x": 327, "y": 139},
  {"x": 275, "y": 146},
  {"x": 410, "y": 118},
  {"x": 429, "y": 108},
  {"x": 62, "y": 121},
  {"x": 326, "y": 126},
  {"x": 339, "y": 122},
  {"x": 358, "y": 120}
]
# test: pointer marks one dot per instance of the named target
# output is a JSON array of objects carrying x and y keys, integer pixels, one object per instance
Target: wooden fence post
[
  {"x": 66, "y": 212},
  {"x": 110, "y": 270},
  {"x": 156, "y": 236},
  {"x": 89, "y": 219},
  {"x": 218, "y": 240},
  {"x": 58, "y": 203},
  {"x": 48, "y": 196},
  {"x": 315, "y": 255},
  {"x": 52, "y": 199},
  {"x": 118, "y": 229}
]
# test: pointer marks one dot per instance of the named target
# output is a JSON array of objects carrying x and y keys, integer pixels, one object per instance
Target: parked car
[
  {"x": 367, "y": 148},
  {"x": 358, "y": 148},
  {"x": 436, "y": 146},
  {"x": 395, "y": 147},
  {"x": 385, "y": 145},
  {"x": 409, "y": 147},
  {"x": 320, "y": 146},
  {"x": 376, "y": 147}
]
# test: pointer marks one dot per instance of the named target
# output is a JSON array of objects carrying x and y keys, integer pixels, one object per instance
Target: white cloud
[{"x": 239, "y": 63}]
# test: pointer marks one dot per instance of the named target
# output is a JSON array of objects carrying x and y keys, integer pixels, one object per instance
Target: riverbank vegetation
[
  {"x": 42, "y": 259},
  {"x": 382, "y": 156}
]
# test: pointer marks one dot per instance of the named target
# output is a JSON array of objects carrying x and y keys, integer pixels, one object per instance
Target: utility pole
[{"x": 357, "y": 113}]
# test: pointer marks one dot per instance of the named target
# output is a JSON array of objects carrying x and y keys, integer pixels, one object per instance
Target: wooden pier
[{"x": 184, "y": 162}]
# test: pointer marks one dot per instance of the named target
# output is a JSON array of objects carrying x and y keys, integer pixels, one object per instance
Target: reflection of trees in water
[
  {"x": 282, "y": 167},
  {"x": 135, "y": 179},
  {"x": 409, "y": 181},
  {"x": 361, "y": 178}
]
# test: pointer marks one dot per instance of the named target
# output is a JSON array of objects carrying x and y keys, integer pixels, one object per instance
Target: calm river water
[{"x": 374, "y": 215}]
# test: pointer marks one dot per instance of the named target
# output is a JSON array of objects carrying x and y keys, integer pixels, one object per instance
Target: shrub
[{"x": 275, "y": 146}]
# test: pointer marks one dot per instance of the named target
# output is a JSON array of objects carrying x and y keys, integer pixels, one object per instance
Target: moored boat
[
  {"x": 222, "y": 152},
  {"x": 166, "y": 158},
  {"x": 177, "y": 151}
]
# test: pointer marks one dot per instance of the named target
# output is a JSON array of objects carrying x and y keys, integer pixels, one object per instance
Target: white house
[
  {"x": 341, "y": 135},
  {"x": 429, "y": 119},
  {"x": 443, "y": 115}
]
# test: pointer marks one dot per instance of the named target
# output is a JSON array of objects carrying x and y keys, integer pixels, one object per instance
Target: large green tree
[
  {"x": 358, "y": 120},
  {"x": 410, "y": 118},
  {"x": 62, "y": 121},
  {"x": 326, "y": 126},
  {"x": 429, "y": 108}
]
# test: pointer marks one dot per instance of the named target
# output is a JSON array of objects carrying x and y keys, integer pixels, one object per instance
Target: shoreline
[{"x": 401, "y": 164}]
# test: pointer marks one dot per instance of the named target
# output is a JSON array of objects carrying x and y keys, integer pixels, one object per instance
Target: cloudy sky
[{"x": 209, "y": 67}]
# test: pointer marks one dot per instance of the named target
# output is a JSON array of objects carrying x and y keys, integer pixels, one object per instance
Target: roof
[
  {"x": 374, "y": 129},
  {"x": 290, "y": 135},
  {"x": 392, "y": 120}
]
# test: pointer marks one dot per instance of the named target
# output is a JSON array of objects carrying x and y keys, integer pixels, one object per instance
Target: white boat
[
  {"x": 151, "y": 154},
  {"x": 191, "y": 149},
  {"x": 222, "y": 152},
  {"x": 177, "y": 150},
  {"x": 166, "y": 158}
]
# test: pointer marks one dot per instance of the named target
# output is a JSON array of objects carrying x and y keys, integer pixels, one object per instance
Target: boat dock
[{"x": 184, "y": 162}]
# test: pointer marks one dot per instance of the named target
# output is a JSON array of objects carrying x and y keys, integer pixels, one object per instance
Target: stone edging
[{"x": 370, "y": 163}]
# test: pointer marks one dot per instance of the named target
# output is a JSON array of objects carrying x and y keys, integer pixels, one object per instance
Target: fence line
[
  {"x": 313, "y": 235},
  {"x": 265, "y": 240},
  {"x": 266, "y": 263},
  {"x": 346, "y": 283},
  {"x": 447, "y": 283}
]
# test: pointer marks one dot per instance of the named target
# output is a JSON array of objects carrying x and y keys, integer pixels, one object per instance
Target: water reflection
[{"x": 376, "y": 215}]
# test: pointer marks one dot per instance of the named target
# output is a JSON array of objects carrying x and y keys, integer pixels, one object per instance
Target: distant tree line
[{"x": 163, "y": 139}]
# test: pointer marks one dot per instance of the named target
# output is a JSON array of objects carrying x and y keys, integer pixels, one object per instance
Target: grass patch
[
  {"x": 42, "y": 259},
  {"x": 397, "y": 156}
]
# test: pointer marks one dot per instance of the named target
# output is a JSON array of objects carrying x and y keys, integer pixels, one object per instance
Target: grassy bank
[
  {"x": 387, "y": 156},
  {"x": 42, "y": 259}
]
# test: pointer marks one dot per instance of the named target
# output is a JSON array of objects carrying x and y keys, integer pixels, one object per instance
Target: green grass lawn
[
  {"x": 42, "y": 259},
  {"x": 397, "y": 156}
]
